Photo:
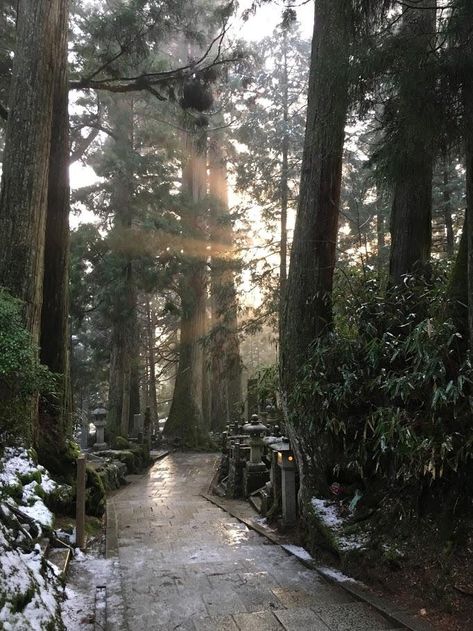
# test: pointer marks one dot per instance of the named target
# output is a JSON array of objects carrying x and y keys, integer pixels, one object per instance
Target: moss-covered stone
[
  {"x": 61, "y": 500},
  {"x": 95, "y": 502},
  {"x": 59, "y": 460},
  {"x": 121, "y": 443}
]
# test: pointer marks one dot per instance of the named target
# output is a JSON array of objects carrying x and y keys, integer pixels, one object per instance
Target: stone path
[{"x": 186, "y": 564}]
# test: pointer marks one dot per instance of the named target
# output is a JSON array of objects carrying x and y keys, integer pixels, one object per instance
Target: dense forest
[{"x": 186, "y": 209}]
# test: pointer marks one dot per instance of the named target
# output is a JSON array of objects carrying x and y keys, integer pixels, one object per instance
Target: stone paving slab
[{"x": 187, "y": 565}]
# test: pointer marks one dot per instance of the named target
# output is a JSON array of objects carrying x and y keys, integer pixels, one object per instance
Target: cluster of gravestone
[{"x": 258, "y": 464}]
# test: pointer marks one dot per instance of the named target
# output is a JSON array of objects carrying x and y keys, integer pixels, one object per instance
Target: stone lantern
[
  {"x": 256, "y": 431},
  {"x": 99, "y": 415},
  {"x": 287, "y": 464},
  {"x": 256, "y": 474}
]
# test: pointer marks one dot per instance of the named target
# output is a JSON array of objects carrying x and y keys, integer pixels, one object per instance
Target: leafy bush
[
  {"x": 389, "y": 389},
  {"x": 21, "y": 374}
]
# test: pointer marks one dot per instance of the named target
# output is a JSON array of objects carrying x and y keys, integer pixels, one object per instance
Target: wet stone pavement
[{"x": 186, "y": 564}]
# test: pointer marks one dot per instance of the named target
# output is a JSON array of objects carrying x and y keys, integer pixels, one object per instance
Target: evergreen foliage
[{"x": 21, "y": 374}]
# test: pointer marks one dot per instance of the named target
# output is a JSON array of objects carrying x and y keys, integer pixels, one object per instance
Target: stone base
[
  {"x": 100, "y": 446},
  {"x": 255, "y": 476},
  {"x": 235, "y": 479}
]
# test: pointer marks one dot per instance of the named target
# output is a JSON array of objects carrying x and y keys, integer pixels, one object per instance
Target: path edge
[{"x": 356, "y": 590}]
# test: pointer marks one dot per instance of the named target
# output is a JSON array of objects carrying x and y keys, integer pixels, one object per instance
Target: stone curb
[{"x": 357, "y": 590}]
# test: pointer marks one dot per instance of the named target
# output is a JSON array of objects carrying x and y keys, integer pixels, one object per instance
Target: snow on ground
[
  {"x": 328, "y": 512},
  {"x": 30, "y": 590},
  {"x": 86, "y": 572}
]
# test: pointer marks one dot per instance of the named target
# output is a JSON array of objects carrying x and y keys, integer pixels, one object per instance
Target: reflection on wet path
[{"x": 185, "y": 564}]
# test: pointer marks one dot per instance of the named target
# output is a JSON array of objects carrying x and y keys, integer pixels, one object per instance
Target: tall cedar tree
[
  {"x": 186, "y": 419},
  {"x": 38, "y": 78},
  {"x": 124, "y": 342},
  {"x": 308, "y": 304},
  {"x": 55, "y": 412},
  {"x": 226, "y": 392},
  {"x": 411, "y": 215}
]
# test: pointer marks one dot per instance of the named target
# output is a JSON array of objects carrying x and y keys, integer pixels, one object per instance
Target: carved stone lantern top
[{"x": 255, "y": 428}]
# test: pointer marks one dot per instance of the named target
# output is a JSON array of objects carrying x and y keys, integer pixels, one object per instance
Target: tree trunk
[
  {"x": 225, "y": 350},
  {"x": 457, "y": 299},
  {"x": 125, "y": 348},
  {"x": 284, "y": 183},
  {"x": 381, "y": 239},
  {"x": 55, "y": 412},
  {"x": 468, "y": 136},
  {"x": 185, "y": 421},
  {"x": 447, "y": 208},
  {"x": 308, "y": 304},
  {"x": 23, "y": 199},
  {"x": 308, "y": 301},
  {"x": 152, "y": 384},
  {"x": 411, "y": 215}
]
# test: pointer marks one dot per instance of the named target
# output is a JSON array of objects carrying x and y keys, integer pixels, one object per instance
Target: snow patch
[
  {"x": 336, "y": 575},
  {"x": 297, "y": 551},
  {"x": 30, "y": 590},
  {"x": 328, "y": 512}
]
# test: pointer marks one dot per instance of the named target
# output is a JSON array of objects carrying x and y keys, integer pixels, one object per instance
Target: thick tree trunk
[
  {"x": 225, "y": 350},
  {"x": 308, "y": 304},
  {"x": 54, "y": 424},
  {"x": 185, "y": 421},
  {"x": 124, "y": 349},
  {"x": 468, "y": 136},
  {"x": 23, "y": 199},
  {"x": 308, "y": 301},
  {"x": 152, "y": 383},
  {"x": 411, "y": 215},
  {"x": 284, "y": 184}
]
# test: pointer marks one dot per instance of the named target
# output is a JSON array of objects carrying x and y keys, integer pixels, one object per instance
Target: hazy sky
[{"x": 268, "y": 17}]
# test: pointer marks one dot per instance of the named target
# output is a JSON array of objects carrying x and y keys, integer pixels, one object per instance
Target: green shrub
[
  {"x": 389, "y": 389},
  {"x": 21, "y": 374}
]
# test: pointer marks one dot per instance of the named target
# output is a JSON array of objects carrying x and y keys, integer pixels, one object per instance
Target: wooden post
[{"x": 80, "y": 502}]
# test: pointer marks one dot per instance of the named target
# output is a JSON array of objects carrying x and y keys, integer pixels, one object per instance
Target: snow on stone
[
  {"x": 30, "y": 590},
  {"x": 328, "y": 513},
  {"x": 336, "y": 575},
  {"x": 40, "y": 513},
  {"x": 26, "y": 578},
  {"x": 297, "y": 551}
]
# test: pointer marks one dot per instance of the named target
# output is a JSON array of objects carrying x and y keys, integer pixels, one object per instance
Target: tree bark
[
  {"x": 55, "y": 412},
  {"x": 457, "y": 299},
  {"x": 447, "y": 208},
  {"x": 225, "y": 349},
  {"x": 152, "y": 383},
  {"x": 284, "y": 182},
  {"x": 185, "y": 420},
  {"x": 23, "y": 199},
  {"x": 468, "y": 138},
  {"x": 308, "y": 303},
  {"x": 411, "y": 215},
  {"x": 124, "y": 347}
]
